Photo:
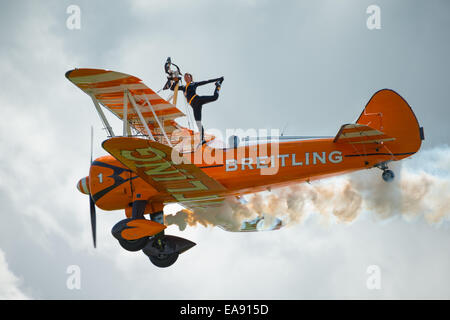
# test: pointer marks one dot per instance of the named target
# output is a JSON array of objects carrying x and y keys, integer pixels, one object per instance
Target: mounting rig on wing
[
  {"x": 173, "y": 78},
  {"x": 173, "y": 75}
]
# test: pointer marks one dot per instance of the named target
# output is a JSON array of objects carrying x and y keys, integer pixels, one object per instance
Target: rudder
[{"x": 388, "y": 112}]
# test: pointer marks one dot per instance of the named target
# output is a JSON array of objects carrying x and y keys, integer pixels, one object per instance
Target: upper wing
[
  {"x": 153, "y": 162},
  {"x": 109, "y": 88},
  {"x": 358, "y": 133}
]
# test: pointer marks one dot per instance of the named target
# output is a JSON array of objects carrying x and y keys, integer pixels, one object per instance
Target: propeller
[
  {"x": 93, "y": 222},
  {"x": 91, "y": 201}
]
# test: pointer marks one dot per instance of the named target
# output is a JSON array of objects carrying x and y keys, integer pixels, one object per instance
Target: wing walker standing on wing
[{"x": 194, "y": 100}]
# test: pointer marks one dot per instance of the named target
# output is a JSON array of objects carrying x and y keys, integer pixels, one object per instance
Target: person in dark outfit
[{"x": 196, "y": 101}]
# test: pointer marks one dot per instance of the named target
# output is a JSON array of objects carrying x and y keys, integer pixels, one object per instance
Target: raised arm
[{"x": 201, "y": 83}]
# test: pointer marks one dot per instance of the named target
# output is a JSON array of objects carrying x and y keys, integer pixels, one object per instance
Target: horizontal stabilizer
[{"x": 358, "y": 133}]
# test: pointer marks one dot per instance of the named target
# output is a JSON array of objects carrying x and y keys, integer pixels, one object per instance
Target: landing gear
[
  {"x": 387, "y": 175},
  {"x": 133, "y": 245},
  {"x": 164, "y": 261},
  {"x": 159, "y": 255},
  {"x": 148, "y": 236},
  {"x": 129, "y": 245},
  {"x": 164, "y": 250},
  {"x": 137, "y": 213}
]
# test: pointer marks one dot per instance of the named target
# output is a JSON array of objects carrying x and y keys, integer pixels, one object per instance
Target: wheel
[
  {"x": 133, "y": 245},
  {"x": 388, "y": 175},
  {"x": 129, "y": 245},
  {"x": 162, "y": 251},
  {"x": 164, "y": 260}
]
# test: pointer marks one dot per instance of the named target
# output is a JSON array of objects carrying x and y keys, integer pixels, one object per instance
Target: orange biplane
[{"x": 156, "y": 161}]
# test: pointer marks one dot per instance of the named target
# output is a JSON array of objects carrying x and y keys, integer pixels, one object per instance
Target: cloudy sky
[{"x": 306, "y": 66}]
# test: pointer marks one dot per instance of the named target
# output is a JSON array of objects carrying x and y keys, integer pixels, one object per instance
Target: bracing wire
[{"x": 188, "y": 115}]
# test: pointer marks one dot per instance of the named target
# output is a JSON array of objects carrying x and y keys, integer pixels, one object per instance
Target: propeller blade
[
  {"x": 92, "y": 141},
  {"x": 93, "y": 221},
  {"x": 91, "y": 201}
]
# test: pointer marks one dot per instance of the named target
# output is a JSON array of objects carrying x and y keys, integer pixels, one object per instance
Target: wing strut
[
  {"x": 102, "y": 116},
  {"x": 126, "y": 125},
  {"x": 157, "y": 119},
  {"x": 130, "y": 96}
]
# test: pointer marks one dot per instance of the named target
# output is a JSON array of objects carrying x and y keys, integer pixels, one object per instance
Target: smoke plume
[{"x": 421, "y": 189}]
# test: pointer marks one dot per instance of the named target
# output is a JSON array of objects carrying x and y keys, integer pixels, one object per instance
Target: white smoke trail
[{"x": 421, "y": 189}]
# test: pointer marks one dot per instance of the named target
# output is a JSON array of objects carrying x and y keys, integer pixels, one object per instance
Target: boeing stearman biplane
[{"x": 147, "y": 168}]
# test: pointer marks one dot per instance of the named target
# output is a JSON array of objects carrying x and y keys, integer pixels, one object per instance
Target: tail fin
[{"x": 390, "y": 114}]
